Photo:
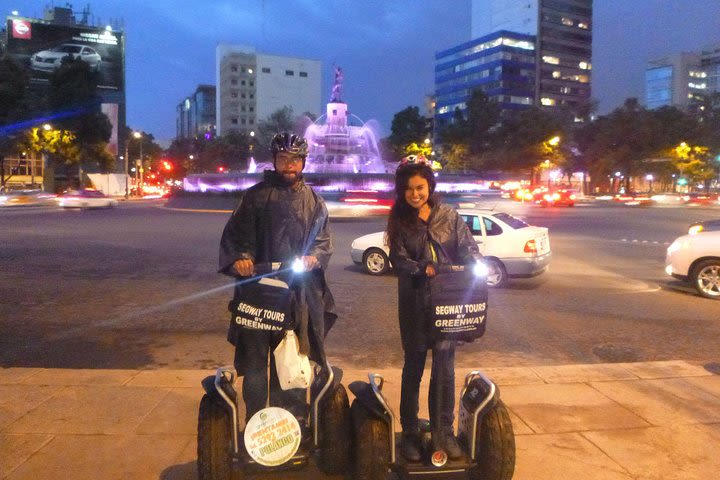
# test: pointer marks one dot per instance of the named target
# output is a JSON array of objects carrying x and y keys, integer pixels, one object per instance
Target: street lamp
[{"x": 139, "y": 135}]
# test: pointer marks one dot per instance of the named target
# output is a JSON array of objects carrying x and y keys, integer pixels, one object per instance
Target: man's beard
[{"x": 290, "y": 178}]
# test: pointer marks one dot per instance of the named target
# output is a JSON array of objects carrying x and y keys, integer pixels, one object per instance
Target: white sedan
[
  {"x": 49, "y": 60},
  {"x": 86, "y": 199},
  {"x": 695, "y": 258},
  {"x": 511, "y": 246}
]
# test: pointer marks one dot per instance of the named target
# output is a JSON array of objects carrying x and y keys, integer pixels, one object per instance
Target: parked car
[
  {"x": 49, "y": 60},
  {"x": 25, "y": 198},
  {"x": 511, "y": 246},
  {"x": 86, "y": 199},
  {"x": 696, "y": 259},
  {"x": 558, "y": 198}
]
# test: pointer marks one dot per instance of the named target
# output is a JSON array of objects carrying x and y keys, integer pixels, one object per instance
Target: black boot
[{"x": 411, "y": 447}]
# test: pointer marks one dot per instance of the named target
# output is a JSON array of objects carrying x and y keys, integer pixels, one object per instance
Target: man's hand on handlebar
[
  {"x": 310, "y": 262},
  {"x": 244, "y": 267}
]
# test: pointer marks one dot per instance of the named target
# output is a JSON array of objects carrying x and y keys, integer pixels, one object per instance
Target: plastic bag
[{"x": 293, "y": 368}]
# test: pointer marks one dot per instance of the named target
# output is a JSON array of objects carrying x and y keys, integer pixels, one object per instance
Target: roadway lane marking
[
  {"x": 644, "y": 242},
  {"x": 196, "y": 210}
]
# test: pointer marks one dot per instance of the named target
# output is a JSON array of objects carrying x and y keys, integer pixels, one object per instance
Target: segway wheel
[
  {"x": 335, "y": 432},
  {"x": 371, "y": 444},
  {"x": 495, "y": 448},
  {"x": 214, "y": 441}
]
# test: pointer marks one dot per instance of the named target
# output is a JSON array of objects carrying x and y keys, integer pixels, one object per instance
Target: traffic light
[{"x": 682, "y": 181}]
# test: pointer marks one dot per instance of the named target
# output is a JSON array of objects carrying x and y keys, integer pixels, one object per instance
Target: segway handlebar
[{"x": 479, "y": 268}]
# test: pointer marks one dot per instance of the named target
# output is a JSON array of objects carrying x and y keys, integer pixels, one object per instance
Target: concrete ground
[{"x": 653, "y": 420}]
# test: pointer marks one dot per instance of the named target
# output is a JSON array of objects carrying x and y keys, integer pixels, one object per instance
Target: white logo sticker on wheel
[{"x": 272, "y": 436}]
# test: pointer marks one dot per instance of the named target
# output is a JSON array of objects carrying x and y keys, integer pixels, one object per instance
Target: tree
[
  {"x": 408, "y": 126},
  {"x": 73, "y": 92},
  {"x": 282, "y": 120},
  {"x": 523, "y": 141}
]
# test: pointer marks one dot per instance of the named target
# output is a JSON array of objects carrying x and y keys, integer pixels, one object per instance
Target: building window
[
  {"x": 289, "y": 73},
  {"x": 242, "y": 108},
  {"x": 242, "y": 82},
  {"x": 242, "y": 95},
  {"x": 252, "y": 109},
  {"x": 585, "y": 66},
  {"x": 265, "y": 70},
  {"x": 252, "y": 84},
  {"x": 556, "y": 74},
  {"x": 567, "y": 22},
  {"x": 548, "y": 102},
  {"x": 582, "y": 25},
  {"x": 551, "y": 60},
  {"x": 233, "y": 81},
  {"x": 233, "y": 121},
  {"x": 303, "y": 74},
  {"x": 252, "y": 95},
  {"x": 251, "y": 121},
  {"x": 243, "y": 121},
  {"x": 233, "y": 94},
  {"x": 233, "y": 68}
]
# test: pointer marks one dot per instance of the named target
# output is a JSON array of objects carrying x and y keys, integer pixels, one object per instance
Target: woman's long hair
[{"x": 403, "y": 216}]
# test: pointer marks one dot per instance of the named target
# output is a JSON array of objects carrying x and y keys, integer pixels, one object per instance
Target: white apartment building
[{"x": 251, "y": 86}]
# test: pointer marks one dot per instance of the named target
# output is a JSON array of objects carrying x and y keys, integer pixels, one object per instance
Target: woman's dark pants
[{"x": 441, "y": 397}]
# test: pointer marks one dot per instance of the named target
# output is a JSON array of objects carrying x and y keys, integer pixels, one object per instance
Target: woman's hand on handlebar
[
  {"x": 430, "y": 271},
  {"x": 244, "y": 267}
]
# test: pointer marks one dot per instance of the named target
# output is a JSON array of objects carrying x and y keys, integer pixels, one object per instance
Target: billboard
[{"x": 41, "y": 46}]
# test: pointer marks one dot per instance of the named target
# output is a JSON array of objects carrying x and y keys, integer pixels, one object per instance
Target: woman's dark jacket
[
  {"x": 273, "y": 223},
  {"x": 451, "y": 238}
]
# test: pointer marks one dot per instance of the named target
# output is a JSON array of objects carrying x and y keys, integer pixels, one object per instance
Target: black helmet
[{"x": 289, "y": 142}]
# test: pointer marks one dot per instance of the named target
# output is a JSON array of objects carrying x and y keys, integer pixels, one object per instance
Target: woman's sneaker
[{"x": 411, "y": 447}]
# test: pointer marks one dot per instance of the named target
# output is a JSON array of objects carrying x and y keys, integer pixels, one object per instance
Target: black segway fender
[{"x": 366, "y": 396}]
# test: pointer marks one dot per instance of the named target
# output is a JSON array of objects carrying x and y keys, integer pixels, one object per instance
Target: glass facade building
[
  {"x": 196, "y": 114},
  {"x": 501, "y": 64}
]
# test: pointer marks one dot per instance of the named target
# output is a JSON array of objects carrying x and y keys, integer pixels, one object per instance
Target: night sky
[{"x": 385, "y": 47}]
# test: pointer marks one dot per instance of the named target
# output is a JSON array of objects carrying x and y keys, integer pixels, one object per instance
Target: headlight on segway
[
  {"x": 480, "y": 269},
  {"x": 298, "y": 266}
]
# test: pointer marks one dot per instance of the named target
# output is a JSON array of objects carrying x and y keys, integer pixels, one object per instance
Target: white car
[
  {"x": 513, "y": 247},
  {"x": 86, "y": 199},
  {"x": 695, "y": 258},
  {"x": 49, "y": 60}
]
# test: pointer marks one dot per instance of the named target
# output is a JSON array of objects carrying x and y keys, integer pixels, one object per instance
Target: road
[{"x": 135, "y": 287}]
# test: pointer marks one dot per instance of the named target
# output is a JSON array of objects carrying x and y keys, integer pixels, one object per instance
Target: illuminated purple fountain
[{"x": 342, "y": 143}]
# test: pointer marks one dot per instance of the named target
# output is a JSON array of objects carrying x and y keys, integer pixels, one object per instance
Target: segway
[
  {"x": 277, "y": 441},
  {"x": 485, "y": 431}
]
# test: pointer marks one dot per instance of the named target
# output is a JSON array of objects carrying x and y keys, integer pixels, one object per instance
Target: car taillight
[{"x": 530, "y": 247}]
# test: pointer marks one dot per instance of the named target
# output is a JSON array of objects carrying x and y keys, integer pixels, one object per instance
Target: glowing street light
[
  {"x": 554, "y": 141},
  {"x": 47, "y": 127}
]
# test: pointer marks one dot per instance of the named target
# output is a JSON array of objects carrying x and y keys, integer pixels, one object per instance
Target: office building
[
  {"x": 562, "y": 32},
  {"x": 501, "y": 64},
  {"x": 251, "y": 86},
  {"x": 675, "y": 80},
  {"x": 196, "y": 114}
]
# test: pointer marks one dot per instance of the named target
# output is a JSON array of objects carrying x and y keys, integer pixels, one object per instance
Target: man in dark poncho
[{"x": 278, "y": 220}]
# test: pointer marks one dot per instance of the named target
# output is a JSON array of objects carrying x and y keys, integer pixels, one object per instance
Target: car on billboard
[
  {"x": 512, "y": 247},
  {"x": 49, "y": 60}
]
